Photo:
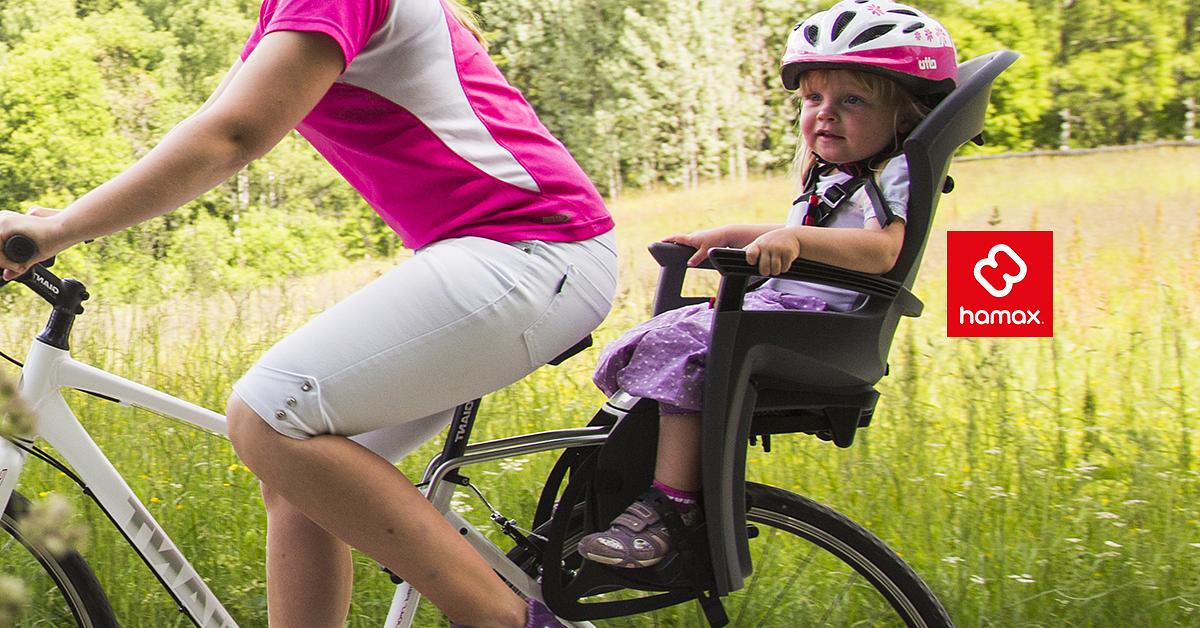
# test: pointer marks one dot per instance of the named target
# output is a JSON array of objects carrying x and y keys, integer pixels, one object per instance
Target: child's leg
[
  {"x": 678, "y": 462},
  {"x": 639, "y": 537}
]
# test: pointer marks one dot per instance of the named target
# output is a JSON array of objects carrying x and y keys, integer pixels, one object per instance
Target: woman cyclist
[{"x": 514, "y": 263}]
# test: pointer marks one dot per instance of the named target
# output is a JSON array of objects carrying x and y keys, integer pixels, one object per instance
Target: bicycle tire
[
  {"x": 79, "y": 597},
  {"x": 845, "y": 575}
]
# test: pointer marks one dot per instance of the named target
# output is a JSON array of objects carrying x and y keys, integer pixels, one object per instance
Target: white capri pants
[{"x": 464, "y": 317}]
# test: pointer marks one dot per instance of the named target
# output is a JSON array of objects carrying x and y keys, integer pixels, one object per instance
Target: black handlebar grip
[{"x": 19, "y": 248}]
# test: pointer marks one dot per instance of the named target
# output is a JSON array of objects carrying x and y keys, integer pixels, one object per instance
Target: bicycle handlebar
[
  {"x": 20, "y": 248},
  {"x": 65, "y": 295}
]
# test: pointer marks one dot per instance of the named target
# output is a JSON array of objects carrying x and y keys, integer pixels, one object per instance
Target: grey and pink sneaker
[{"x": 637, "y": 538}]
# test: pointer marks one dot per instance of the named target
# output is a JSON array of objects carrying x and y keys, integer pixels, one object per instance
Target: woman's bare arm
[{"x": 735, "y": 236}]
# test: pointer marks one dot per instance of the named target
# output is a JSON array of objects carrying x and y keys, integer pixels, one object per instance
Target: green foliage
[
  {"x": 55, "y": 120},
  {"x": 1021, "y": 97},
  {"x": 677, "y": 91},
  {"x": 643, "y": 92},
  {"x": 18, "y": 17}
]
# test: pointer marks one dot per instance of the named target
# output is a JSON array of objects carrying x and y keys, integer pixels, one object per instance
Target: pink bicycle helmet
[{"x": 886, "y": 38}]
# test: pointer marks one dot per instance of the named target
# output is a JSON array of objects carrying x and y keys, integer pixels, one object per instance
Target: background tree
[{"x": 643, "y": 93}]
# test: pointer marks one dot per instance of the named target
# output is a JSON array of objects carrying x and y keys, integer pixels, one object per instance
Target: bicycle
[
  {"x": 832, "y": 572},
  {"x": 49, "y": 367}
]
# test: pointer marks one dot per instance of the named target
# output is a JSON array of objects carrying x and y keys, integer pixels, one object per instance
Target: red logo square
[{"x": 999, "y": 283}]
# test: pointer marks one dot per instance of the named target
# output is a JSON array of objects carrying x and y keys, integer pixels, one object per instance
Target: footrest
[{"x": 833, "y": 417}]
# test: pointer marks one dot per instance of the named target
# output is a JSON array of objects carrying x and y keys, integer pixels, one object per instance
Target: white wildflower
[
  {"x": 14, "y": 597},
  {"x": 514, "y": 464},
  {"x": 49, "y": 523}
]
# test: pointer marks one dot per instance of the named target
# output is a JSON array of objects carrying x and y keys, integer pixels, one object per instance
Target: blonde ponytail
[{"x": 467, "y": 18}]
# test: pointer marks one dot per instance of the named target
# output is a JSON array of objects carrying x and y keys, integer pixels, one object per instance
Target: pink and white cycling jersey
[{"x": 425, "y": 127}]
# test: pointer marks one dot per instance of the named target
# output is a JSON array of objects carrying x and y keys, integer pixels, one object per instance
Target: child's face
[{"x": 841, "y": 122}]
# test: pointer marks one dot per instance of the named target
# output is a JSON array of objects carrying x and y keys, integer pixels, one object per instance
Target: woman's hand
[
  {"x": 735, "y": 236},
  {"x": 40, "y": 225},
  {"x": 702, "y": 241},
  {"x": 774, "y": 251}
]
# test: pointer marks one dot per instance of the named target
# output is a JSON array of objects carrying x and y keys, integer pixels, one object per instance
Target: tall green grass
[{"x": 1046, "y": 481}]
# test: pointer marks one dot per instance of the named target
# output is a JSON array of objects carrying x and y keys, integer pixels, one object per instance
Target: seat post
[{"x": 458, "y": 435}]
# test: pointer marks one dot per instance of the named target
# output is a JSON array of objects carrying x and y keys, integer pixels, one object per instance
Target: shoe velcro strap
[{"x": 636, "y": 517}]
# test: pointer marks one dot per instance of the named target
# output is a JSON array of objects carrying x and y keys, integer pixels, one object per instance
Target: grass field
[{"x": 1032, "y": 482}]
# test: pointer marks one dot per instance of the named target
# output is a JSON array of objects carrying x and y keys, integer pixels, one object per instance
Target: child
[{"x": 867, "y": 72}]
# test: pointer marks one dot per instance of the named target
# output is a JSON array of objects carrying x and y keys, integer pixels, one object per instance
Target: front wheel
[
  {"x": 812, "y": 567},
  {"x": 58, "y": 590}
]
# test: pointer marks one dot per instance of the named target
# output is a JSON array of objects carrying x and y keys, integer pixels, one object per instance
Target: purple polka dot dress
[{"x": 663, "y": 358}]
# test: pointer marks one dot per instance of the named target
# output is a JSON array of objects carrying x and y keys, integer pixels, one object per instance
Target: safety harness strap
[{"x": 821, "y": 207}]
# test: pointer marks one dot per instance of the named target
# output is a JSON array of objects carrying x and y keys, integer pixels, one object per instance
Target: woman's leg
[
  {"x": 304, "y": 562},
  {"x": 460, "y": 319},
  {"x": 370, "y": 505}
]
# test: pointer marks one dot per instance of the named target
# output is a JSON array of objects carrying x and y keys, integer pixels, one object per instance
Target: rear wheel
[
  {"x": 59, "y": 590},
  {"x": 812, "y": 567}
]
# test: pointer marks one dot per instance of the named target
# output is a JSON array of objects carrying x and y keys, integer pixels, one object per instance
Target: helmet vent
[
  {"x": 915, "y": 26},
  {"x": 812, "y": 33},
  {"x": 904, "y": 11},
  {"x": 840, "y": 24},
  {"x": 875, "y": 32}
]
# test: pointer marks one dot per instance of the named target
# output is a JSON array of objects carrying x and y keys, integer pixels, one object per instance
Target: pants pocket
[{"x": 566, "y": 320}]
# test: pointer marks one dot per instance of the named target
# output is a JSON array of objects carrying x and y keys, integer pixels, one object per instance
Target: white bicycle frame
[{"x": 48, "y": 370}]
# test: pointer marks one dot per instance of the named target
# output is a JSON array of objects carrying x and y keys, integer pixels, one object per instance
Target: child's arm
[
  {"x": 869, "y": 250},
  {"x": 735, "y": 236}
]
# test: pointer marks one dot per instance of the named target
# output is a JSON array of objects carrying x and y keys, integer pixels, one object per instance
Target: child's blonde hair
[{"x": 908, "y": 109}]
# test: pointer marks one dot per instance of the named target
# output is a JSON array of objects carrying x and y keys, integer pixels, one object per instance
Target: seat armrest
[
  {"x": 732, "y": 263},
  {"x": 909, "y": 304},
  {"x": 673, "y": 259},
  {"x": 670, "y": 255}
]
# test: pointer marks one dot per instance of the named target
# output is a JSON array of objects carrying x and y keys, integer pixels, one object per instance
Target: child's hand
[{"x": 774, "y": 251}]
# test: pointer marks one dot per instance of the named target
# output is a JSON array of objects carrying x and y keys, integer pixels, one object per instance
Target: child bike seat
[{"x": 805, "y": 371}]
